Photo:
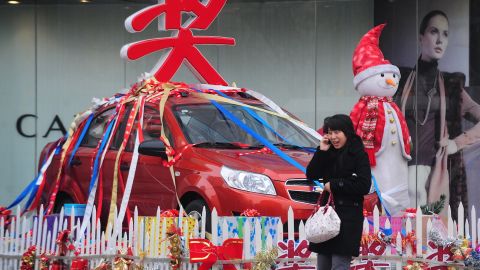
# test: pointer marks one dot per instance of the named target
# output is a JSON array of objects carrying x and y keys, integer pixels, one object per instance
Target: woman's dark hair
[
  {"x": 343, "y": 123},
  {"x": 426, "y": 19},
  {"x": 340, "y": 122}
]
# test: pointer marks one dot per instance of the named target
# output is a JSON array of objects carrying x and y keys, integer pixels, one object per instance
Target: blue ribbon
[
  {"x": 99, "y": 153},
  {"x": 380, "y": 195},
  {"x": 32, "y": 187},
  {"x": 24, "y": 193},
  {"x": 387, "y": 232},
  {"x": 263, "y": 122},
  {"x": 80, "y": 139},
  {"x": 264, "y": 141}
]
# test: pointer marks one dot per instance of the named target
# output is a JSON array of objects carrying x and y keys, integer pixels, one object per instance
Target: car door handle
[
  {"x": 124, "y": 167},
  {"x": 76, "y": 162}
]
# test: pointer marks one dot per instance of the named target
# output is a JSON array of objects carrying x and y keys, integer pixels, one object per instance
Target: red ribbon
[
  {"x": 79, "y": 264},
  {"x": 169, "y": 213},
  {"x": 410, "y": 212},
  {"x": 250, "y": 213},
  {"x": 264, "y": 150},
  {"x": 203, "y": 251}
]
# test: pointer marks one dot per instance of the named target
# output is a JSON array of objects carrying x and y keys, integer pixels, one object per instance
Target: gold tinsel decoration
[
  {"x": 266, "y": 259},
  {"x": 104, "y": 265},
  {"x": 175, "y": 247}
]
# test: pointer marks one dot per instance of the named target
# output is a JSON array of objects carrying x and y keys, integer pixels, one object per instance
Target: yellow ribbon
[
  {"x": 230, "y": 101},
  {"x": 113, "y": 199}
]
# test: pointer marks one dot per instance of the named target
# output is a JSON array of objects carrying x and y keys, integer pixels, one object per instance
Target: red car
[{"x": 219, "y": 171}]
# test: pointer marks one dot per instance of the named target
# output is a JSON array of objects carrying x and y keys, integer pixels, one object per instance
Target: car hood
[{"x": 271, "y": 165}]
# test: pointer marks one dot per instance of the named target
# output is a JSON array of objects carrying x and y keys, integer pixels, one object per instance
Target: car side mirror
[{"x": 153, "y": 148}]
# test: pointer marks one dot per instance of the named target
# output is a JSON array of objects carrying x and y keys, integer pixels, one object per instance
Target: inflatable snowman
[{"x": 380, "y": 123}]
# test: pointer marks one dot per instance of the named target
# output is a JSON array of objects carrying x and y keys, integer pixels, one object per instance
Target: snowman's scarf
[
  {"x": 370, "y": 124},
  {"x": 368, "y": 117}
]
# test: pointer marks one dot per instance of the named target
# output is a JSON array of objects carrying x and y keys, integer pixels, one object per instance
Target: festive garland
[
  {"x": 174, "y": 238},
  {"x": 28, "y": 259},
  {"x": 250, "y": 213},
  {"x": 266, "y": 260}
]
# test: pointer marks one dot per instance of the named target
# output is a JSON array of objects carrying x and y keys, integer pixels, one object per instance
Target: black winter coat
[{"x": 348, "y": 171}]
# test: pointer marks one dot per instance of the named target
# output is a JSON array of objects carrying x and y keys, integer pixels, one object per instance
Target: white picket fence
[{"x": 31, "y": 229}]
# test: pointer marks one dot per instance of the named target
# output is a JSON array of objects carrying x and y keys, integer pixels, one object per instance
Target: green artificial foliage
[{"x": 435, "y": 207}]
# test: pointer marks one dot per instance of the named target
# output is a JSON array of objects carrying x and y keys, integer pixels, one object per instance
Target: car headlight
[{"x": 248, "y": 181}]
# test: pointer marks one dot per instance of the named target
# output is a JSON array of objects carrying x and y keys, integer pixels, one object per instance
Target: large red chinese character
[
  {"x": 292, "y": 250},
  {"x": 439, "y": 253},
  {"x": 182, "y": 43}
]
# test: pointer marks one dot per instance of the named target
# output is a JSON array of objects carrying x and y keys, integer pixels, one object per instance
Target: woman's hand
[
  {"x": 452, "y": 147},
  {"x": 327, "y": 187},
  {"x": 325, "y": 143}
]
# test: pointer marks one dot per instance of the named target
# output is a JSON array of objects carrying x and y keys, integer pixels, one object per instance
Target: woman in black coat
[{"x": 342, "y": 164}]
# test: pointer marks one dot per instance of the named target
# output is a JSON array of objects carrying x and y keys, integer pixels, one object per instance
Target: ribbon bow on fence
[{"x": 203, "y": 251}]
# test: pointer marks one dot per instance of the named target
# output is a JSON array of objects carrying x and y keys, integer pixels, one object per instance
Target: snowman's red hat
[{"x": 368, "y": 59}]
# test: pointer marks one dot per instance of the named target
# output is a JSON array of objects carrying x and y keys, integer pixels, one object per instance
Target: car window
[
  {"x": 97, "y": 128},
  {"x": 205, "y": 123},
  {"x": 118, "y": 136},
  {"x": 152, "y": 126}
]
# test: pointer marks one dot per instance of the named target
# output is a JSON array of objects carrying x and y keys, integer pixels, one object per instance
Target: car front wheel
[{"x": 195, "y": 208}]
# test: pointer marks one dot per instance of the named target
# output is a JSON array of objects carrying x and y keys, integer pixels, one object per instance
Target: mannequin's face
[{"x": 435, "y": 39}]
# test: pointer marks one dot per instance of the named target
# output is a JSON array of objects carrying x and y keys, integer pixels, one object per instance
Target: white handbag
[{"x": 324, "y": 223}]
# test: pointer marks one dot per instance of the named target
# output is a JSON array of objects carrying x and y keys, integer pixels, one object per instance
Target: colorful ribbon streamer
[
  {"x": 80, "y": 138},
  {"x": 377, "y": 189},
  {"x": 264, "y": 141}
]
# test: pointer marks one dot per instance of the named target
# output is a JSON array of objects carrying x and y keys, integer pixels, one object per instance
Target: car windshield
[{"x": 204, "y": 124}]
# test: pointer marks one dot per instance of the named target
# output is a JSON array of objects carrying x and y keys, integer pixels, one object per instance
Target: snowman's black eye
[
  {"x": 383, "y": 75},
  {"x": 393, "y": 75}
]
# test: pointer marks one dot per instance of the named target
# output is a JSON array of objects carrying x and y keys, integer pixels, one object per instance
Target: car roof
[{"x": 196, "y": 100}]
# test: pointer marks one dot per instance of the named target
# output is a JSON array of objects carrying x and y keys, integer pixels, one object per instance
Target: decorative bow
[
  {"x": 250, "y": 213},
  {"x": 169, "y": 213},
  {"x": 79, "y": 264},
  {"x": 203, "y": 251},
  {"x": 410, "y": 213}
]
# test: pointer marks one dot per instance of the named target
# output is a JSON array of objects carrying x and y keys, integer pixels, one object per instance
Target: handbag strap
[{"x": 330, "y": 201}]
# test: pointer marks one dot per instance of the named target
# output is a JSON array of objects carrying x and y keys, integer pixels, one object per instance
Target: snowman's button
[
  {"x": 393, "y": 131},
  {"x": 392, "y": 120},
  {"x": 394, "y": 142},
  {"x": 389, "y": 111}
]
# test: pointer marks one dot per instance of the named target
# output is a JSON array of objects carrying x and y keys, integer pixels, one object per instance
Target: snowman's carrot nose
[{"x": 391, "y": 82}]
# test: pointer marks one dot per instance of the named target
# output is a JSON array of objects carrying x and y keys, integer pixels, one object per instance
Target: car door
[
  {"x": 80, "y": 170},
  {"x": 153, "y": 185}
]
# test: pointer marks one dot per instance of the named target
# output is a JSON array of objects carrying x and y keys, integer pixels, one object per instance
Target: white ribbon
[
  {"x": 279, "y": 110},
  {"x": 45, "y": 166},
  {"x": 91, "y": 197},
  {"x": 128, "y": 187}
]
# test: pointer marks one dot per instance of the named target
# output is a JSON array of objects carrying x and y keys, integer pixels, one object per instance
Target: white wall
[{"x": 55, "y": 58}]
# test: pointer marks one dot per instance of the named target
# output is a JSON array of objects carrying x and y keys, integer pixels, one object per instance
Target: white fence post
[
  {"x": 258, "y": 236},
  {"x": 214, "y": 226},
  {"x": 473, "y": 218},
  {"x": 280, "y": 232},
  {"x": 461, "y": 220},
  {"x": 408, "y": 230},
  {"x": 291, "y": 235},
  {"x": 246, "y": 240},
  {"x": 419, "y": 231},
  {"x": 450, "y": 222}
]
